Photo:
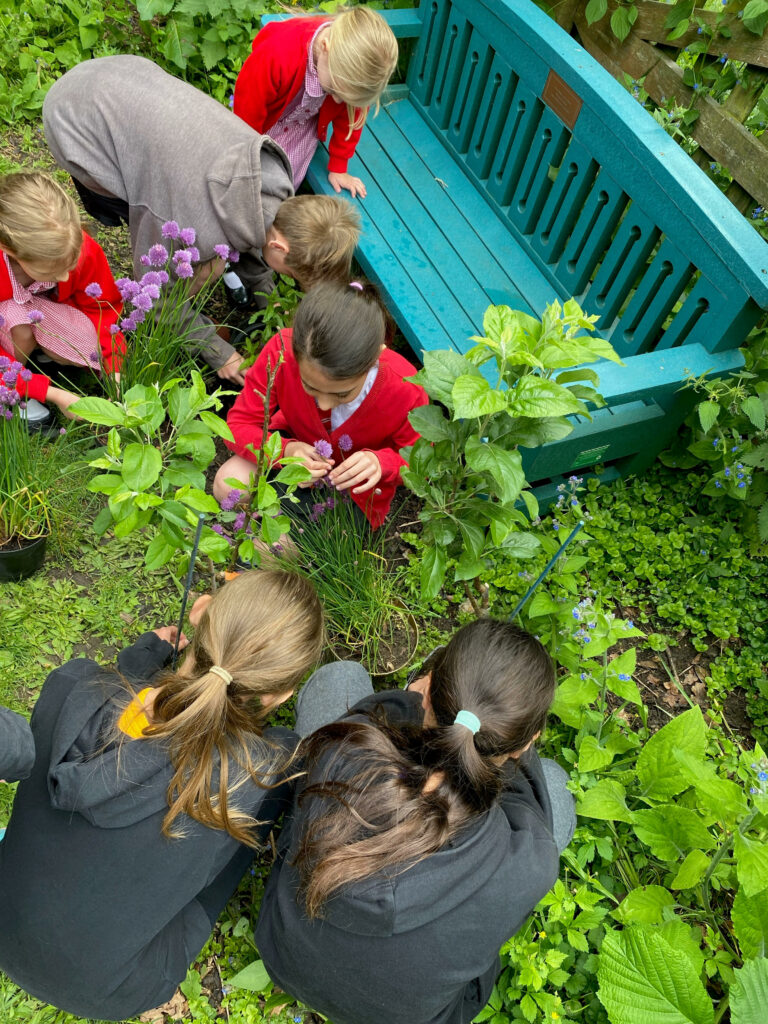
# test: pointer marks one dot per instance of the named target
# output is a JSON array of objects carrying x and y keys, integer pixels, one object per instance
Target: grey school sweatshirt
[
  {"x": 100, "y": 913},
  {"x": 417, "y": 945},
  {"x": 17, "y": 748},
  {"x": 124, "y": 127}
]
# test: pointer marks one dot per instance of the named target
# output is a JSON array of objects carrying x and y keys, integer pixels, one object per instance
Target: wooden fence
[{"x": 647, "y": 54}]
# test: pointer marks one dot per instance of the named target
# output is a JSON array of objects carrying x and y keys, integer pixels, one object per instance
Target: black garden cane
[
  {"x": 520, "y": 604},
  {"x": 187, "y": 586}
]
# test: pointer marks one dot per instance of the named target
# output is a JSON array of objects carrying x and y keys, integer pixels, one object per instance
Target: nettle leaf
[
  {"x": 644, "y": 905},
  {"x": 671, "y": 831},
  {"x": 141, "y": 466},
  {"x": 749, "y": 993},
  {"x": 720, "y": 796},
  {"x": 537, "y": 396},
  {"x": 606, "y": 801},
  {"x": 750, "y": 923},
  {"x": 506, "y": 467},
  {"x": 754, "y": 410},
  {"x": 439, "y": 373},
  {"x": 708, "y": 413},
  {"x": 473, "y": 396},
  {"x": 657, "y": 769},
  {"x": 691, "y": 871},
  {"x": 643, "y": 978},
  {"x": 751, "y": 864},
  {"x": 685, "y": 938},
  {"x": 430, "y": 421}
]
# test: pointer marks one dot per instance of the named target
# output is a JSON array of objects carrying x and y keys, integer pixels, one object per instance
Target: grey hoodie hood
[{"x": 112, "y": 784}]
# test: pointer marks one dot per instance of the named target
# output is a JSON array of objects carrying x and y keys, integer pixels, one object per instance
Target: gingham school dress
[{"x": 63, "y": 332}]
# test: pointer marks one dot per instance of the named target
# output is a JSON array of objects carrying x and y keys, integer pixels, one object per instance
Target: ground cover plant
[{"x": 656, "y": 617}]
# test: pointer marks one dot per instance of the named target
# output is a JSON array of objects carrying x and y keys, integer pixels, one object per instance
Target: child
[
  {"x": 338, "y": 390},
  {"x": 154, "y": 149},
  {"x": 141, "y": 815},
  {"x": 56, "y": 289},
  {"x": 306, "y": 73},
  {"x": 422, "y": 835}
]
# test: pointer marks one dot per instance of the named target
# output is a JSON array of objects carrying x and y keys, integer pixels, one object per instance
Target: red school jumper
[
  {"x": 380, "y": 424},
  {"x": 273, "y": 74},
  {"x": 92, "y": 267}
]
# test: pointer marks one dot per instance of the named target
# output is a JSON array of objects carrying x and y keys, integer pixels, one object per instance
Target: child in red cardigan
[
  {"x": 339, "y": 399},
  {"x": 56, "y": 289},
  {"x": 306, "y": 73}
]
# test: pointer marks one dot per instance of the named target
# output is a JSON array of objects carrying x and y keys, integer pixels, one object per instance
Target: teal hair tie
[{"x": 468, "y": 720}]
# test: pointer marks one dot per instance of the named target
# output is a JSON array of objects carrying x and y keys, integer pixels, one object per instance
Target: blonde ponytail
[
  {"x": 362, "y": 55},
  {"x": 39, "y": 222}
]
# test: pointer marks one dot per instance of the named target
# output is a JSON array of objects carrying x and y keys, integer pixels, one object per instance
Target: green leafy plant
[{"x": 466, "y": 468}]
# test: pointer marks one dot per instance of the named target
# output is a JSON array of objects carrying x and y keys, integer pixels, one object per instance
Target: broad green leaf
[
  {"x": 473, "y": 396},
  {"x": 751, "y": 864},
  {"x": 753, "y": 408},
  {"x": 294, "y": 473},
  {"x": 141, "y": 466},
  {"x": 671, "y": 831},
  {"x": 159, "y": 552},
  {"x": 621, "y": 23},
  {"x": 657, "y": 769},
  {"x": 691, "y": 871},
  {"x": 198, "y": 500},
  {"x": 645, "y": 980},
  {"x": 685, "y": 938},
  {"x": 708, "y": 413},
  {"x": 197, "y": 444},
  {"x": 605, "y": 801},
  {"x": 521, "y": 545},
  {"x": 215, "y": 547},
  {"x": 180, "y": 472},
  {"x": 749, "y": 993},
  {"x": 433, "y": 566},
  {"x": 537, "y": 396},
  {"x": 720, "y": 796},
  {"x": 99, "y": 410},
  {"x": 469, "y": 566},
  {"x": 644, "y": 905},
  {"x": 592, "y": 756},
  {"x": 582, "y": 373},
  {"x": 750, "y": 923},
  {"x": 149, "y": 9},
  {"x": 430, "y": 422},
  {"x": 254, "y": 977},
  {"x": 105, "y": 483},
  {"x": 504, "y": 466},
  {"x": 595, "y": 10},
  {"x": 216, "y": 424},
  {"x": 440, "y": 370},
  {"x": 440, "y": 531},
  {"x": 542, "y": 604},
  {"x": 755, "y": 17},
  {"x": 532, "y": 433},
  {"x": 473, "y": 537},
  {"x": 572, "y": 696}
]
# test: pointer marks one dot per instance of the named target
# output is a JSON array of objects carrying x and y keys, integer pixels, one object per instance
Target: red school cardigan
[
  {"x": 92, "y": 267},
  {"x": 273, "y": 74},
  {"x": 380, "y": 424}
]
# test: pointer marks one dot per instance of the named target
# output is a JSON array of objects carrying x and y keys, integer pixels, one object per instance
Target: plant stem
[{"x": 475, "y": 606}]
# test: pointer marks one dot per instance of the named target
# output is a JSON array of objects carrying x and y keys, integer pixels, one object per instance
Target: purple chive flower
[
  {"x": 324, "y": 449},
  {"x": 229, "y": 501},
  {"x": 234, "y": 256},
  {"x": 2, "y": 320},
  {"x": 62, "y": 431},
  {"x": 187, "y": 235},
  {"x": 345, "y": 443},
  {"x": 194, "y": 254},
  {"x": 95, "y": 357},
  {"x": 128, "y": 323},
  {"x": 163, "y": 275},
  {"x": 126, "y": 287},
  {"x": 218, "y": 528},
  {"x": 170, "y": 230},
  {"x": 143, "y": 301},
  {"x": 138, "y": 316},
  {"x": 152, "y": 290},
  {"x": 144, "y": 260},
  {"x": 158, "y": 255},
  {"x": 151, "y": 277},
  {"x": 318, "y": 508},
  {"x": 221, "y": 250},
  {"x": 182, "y": 256},
  {"x": 93, "y": 290},
  {"x": 114, "y": 329},
  {"x": 184, "y": 270},
  {"x": 5, "y": 363},
  {"x": 239, "y": 521},
  {"x": 35, "y": 316},
  {"x": 25, "y": 374}
]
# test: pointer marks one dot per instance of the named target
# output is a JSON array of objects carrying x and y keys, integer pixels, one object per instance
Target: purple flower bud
[
  {"x": 144, "y": 260},
  {"x": 62, "y": 431},
  {"x": 220, "y": 250},
  {"x": 93, "y": 290},
  {"x": 35, "y": 316},
  {"x": 169, "y": 230},
  {"x": 128, "y": 324},
  {"x": 239, "y": 521},
  {"x": 218, "y": 528},
  {"x": 187, "y": 235},
  {"x": 114, "y": 329},
  {"x": 143, "y": 301},
  {"x": 158, "y": 255},
  {"x": 229, "y": 500},
  {"x": 25, "y": 374},
  {"x": 194, "y": 254},
  {"x": 5, "y": 363},
  {"x": 95, "y": 357},
  {"x": 324, "y": 449},
  {"x": 345, "y": 443},
  {"x": 151, "y": 277},
  {"x": 234, "y": 256},
  {"x": 184, "y": 270},
  {"x": 163, "y": 275}
]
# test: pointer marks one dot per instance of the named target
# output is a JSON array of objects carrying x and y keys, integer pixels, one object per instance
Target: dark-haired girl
[
  {"x": 148, "y": 795},
  {"x": 422, "y": 836},
  {"x": 339, "y": 399}
]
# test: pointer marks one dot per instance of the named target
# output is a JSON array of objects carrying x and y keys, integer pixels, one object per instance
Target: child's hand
[
  {"x": 361, "y": 471},
  {"x": 63, "y": 399},
  {"x": 169, "y": 634},
  {"x": 348, "y": 181},
  {"x": 231, "y": 369},
  {"x": 316, "y": 464}
]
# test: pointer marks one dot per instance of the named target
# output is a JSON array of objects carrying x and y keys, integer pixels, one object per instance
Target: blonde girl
[
  {"x": 150, "y": 791},
  {"x": 304, "y": 74},
  {"x": 57, "y": 292}
]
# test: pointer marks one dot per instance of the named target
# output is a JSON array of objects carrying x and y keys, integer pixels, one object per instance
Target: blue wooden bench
[{"x": 512, "y": 168}]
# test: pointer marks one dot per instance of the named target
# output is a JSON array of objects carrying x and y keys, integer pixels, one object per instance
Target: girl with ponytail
[
  {"x": 423, "y": 834},
  {"x": 150, "y": 793}
]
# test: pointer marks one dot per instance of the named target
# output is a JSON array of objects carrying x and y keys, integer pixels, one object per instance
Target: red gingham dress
[{"x": 63, "y": 332}]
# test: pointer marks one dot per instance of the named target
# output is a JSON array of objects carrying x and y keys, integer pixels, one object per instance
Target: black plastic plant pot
[{"x": 18, "y": 563}]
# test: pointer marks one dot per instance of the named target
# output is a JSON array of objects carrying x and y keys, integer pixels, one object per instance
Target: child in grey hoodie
[{"x": 127, "y": 130}]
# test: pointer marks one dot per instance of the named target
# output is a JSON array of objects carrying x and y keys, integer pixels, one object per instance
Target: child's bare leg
[
  {"x": 23, "y": 338},
  {"x": 236, "y": 468}
]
